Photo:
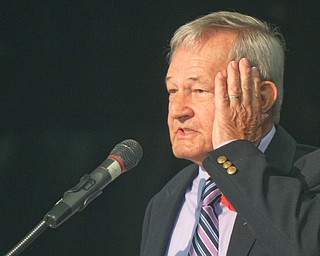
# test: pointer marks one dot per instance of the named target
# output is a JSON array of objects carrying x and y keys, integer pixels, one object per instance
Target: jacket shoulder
[
  {"x": 307, "y": 166},
  {"x": 303, "y": 149}
]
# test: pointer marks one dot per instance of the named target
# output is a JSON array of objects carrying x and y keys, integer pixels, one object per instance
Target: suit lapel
[
  {"x": 241, "y": 240},
  {"x": 166, "y": 205}
]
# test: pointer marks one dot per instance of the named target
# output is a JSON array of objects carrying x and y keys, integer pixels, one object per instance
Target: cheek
[
  {"x": 170, "y": 126},
  {"x": 169, "y": 122},
  {"x": 207, "y": 116},
  {"x": 207, "y": 124}
]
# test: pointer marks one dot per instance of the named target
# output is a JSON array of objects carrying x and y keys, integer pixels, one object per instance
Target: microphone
[{"x": 122, "y": 158}]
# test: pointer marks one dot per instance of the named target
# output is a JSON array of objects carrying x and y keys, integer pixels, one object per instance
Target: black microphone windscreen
[{"x": 129, "y": 151}]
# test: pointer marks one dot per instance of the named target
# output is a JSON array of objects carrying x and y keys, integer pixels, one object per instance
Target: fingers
[
  {"x": 256, "y": 80},
  {"x": 241, "y": 86},
  {"x": 221, "y": 94},
  {"x": 244, "y": 81},
  {"x": 234, "y": 90},
  {"x": 246, "y": 84},
  {"x": 238, "y": 112}
]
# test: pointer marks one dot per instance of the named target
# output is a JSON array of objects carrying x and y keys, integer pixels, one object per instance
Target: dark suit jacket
[{"x": 276, "y": 195}]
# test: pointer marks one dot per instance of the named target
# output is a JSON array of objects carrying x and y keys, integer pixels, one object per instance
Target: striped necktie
[{"x": 206, "y": 237}]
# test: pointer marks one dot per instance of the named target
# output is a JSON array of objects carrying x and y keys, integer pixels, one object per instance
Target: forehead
[{"x": 210, "y": 53}]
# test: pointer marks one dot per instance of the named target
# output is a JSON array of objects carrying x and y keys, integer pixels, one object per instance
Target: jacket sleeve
[{"x": 281, "y": 211}]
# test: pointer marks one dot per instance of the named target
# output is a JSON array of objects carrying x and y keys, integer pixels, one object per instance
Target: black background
[{"x": 78, "y": 77}]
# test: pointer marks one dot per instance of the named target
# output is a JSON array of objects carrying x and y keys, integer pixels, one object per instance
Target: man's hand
[{"x": 238, "y": 113}]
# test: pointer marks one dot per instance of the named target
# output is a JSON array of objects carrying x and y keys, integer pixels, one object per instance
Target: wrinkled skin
[{"x": 238, "y": 118}]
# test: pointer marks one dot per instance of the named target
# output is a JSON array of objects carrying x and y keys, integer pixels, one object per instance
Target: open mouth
[{"x": 185, "y": 132}]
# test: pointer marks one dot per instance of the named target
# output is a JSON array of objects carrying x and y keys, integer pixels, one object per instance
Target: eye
[
  {"x": 172, "y": 91},
  {"x": 200, "y": 91}
]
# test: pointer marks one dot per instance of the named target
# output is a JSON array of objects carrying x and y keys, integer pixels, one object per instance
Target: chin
[{"x": 189, "y": 155}]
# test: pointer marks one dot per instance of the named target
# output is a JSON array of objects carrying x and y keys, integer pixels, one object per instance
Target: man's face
[{"x": 190, "y": 83}]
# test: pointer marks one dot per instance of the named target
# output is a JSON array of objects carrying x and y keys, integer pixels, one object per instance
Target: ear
[{"x": 269, "y": 95}]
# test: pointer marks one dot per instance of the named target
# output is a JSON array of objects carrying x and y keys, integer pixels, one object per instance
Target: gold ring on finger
[{"x": 231, "y": 97}]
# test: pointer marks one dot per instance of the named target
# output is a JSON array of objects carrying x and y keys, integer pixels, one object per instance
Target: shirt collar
[{"x": 265, "y": 141}]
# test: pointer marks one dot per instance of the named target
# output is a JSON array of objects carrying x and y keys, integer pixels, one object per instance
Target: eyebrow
[
  {"x": 201, "y": 79},
  {"x": 191, "y": 78},
  {"x": 167, "y": 79}
]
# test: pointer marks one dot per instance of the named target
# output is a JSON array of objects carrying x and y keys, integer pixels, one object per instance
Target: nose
[{"x": 180, "y": 107}]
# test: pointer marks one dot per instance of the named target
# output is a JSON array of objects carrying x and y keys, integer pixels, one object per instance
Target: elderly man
[{"x": 252, "y": 190}]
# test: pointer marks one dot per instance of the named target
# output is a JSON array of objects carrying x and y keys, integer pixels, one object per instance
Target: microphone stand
[
  {"x": 90, "y": 187},
  {"x": 28, "y": 239},
  {"x": 75, "y": 199}
]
